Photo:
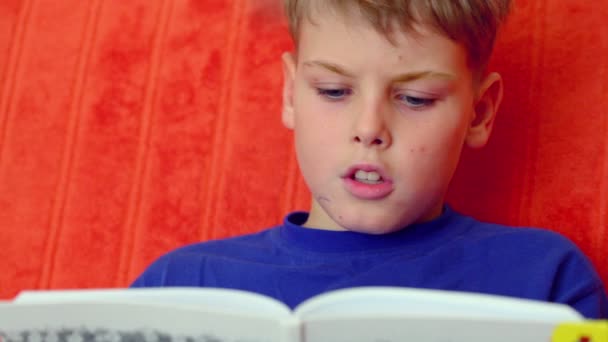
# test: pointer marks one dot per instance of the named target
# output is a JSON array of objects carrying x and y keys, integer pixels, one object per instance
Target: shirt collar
[{"x": 420, "y": 235}]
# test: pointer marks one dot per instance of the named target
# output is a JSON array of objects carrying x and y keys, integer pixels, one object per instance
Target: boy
[{"x": 381, "y": 96}]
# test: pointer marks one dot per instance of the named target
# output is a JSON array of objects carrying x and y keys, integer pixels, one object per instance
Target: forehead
[{"x": 351, "y": 40}]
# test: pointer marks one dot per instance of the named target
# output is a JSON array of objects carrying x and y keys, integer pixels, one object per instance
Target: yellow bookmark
[{"x": 588, "y": 331}]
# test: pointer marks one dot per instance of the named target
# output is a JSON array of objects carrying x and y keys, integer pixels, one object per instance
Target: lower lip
[{"x": 368, "y": 191}]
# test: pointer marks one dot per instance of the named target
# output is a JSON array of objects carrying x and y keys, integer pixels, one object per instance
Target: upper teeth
[{"x": 369, "y": 176}]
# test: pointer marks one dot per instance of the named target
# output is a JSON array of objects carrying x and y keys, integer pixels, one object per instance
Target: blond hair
[{"x": 472, "y": 23}]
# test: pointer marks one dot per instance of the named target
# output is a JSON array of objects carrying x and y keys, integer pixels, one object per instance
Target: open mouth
[
  {"x": 367, "y": 177},
  {"x": 368, "y": 182}
]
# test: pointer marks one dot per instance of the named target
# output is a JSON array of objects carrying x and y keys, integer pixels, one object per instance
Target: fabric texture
[
  {"x": 453, "y": 252},
  {"x": 129, "y": 128}
]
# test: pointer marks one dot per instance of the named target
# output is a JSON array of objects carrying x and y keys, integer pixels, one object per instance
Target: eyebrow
[
  {"x": 402, "y": 78},
  {"x": 329, "y": 66}
]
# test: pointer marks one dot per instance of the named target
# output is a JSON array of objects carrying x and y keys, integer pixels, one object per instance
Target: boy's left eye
[
  {"x": 334, "y": 93},
  {"x": 416, "y": 102}
]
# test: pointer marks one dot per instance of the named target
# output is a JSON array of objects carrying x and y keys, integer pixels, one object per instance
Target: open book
[{"x": 373, "y": 314}]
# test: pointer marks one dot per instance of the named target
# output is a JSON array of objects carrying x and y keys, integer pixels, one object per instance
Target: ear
[
  {"x": 289, "y": 71},
  {"x": 489, "y": 97}
]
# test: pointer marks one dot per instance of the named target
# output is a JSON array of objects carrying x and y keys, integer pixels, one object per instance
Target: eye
[
  {"x": 416, "y": 102},
  {"x": 334, "y": 94}
]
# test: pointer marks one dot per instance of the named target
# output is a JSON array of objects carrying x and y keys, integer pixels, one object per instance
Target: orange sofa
[{"x": 128, "y": 128}]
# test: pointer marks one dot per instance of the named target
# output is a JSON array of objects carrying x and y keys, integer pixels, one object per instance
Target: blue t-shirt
[{"x": 453, "y": 252}]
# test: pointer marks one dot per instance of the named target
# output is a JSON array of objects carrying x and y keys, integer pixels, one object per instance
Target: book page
[
  {"x": 117, "y": 322},
  {"x": 373, "y": 301},
  {"x": 381, "y": 314},
  {"x": 427, "y": 329},
  {"x": 235, "y": 301}
]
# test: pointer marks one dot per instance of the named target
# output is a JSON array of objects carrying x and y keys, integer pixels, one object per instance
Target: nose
[{"x": 371, "y": 127}]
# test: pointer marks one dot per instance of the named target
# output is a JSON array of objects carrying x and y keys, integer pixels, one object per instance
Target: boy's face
[{"x": 379, "y": 126}]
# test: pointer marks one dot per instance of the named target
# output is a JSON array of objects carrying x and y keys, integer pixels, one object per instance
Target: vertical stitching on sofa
[
  {"x": 70, "y": 143},
  {"x": 603, "y": 198},
  {"x": 12, "y": 71},
  {"x": 211, "y": 181},
  {"x": 125, "y": 264},
  {"x": 532, "y": 130}
]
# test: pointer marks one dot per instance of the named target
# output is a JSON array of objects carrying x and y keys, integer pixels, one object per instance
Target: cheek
[
  {"x": 318, "y": 150},
  {"x": 314, "y": 163},
  {"x": 436, "y": 147},
  {"x": 419, "y": 150},
  {"x": 319, "y": 125},
  {"x": 452, "y": 127},
  {"x": 315, "y": 148},
  {"x": 306, "y": 99}
]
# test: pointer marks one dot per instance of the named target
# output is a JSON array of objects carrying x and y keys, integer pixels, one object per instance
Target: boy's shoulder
[
  {"x": 185, "y": 261},
  {"x": 527, "y": 235},
  {"x": 520, "y": 242}
]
